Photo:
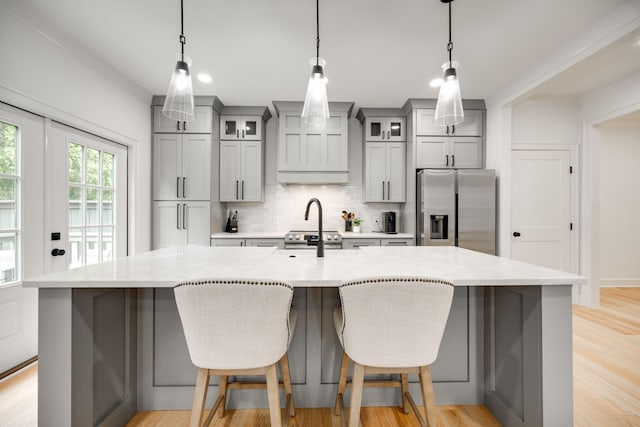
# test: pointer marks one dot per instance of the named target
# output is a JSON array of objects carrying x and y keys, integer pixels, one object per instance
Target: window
[
  {"x": 91, "y": 205},
  {"x": 9, "y": 203}
]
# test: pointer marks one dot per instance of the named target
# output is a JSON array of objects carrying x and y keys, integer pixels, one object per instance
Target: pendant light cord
[
  {"x": 450, "y": 44},
  {"x": 317, "y": 32},
  {"x": 183, "y": 39}
]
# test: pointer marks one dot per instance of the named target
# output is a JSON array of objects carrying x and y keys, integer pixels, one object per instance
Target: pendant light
[
  {"x": 315, "y": 111},
  {"x": 449, "y": 110},
  {"x": 178, "y": 104}
]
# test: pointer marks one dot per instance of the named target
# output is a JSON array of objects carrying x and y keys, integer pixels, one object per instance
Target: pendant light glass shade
[
  {"x": 315, "y": 111},
  {"x": 178, "y": 104},
  {"x": 449, "y": 110}
]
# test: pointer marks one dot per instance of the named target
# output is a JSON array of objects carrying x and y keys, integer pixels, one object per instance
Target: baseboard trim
[
  {"x": 619, "y": 283},
  {"x": 18, "y": 367}
]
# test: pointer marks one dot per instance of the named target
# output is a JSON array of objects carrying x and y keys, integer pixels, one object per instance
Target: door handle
[
  {"x": 446, "y": 156},
  {"x": 242, "y": 133},
  {"x": 236, "y": 189},
  {"x": 453, "y": 129},
  {"x": 178, "y": 216},
  {"x": 184, "y": 216},
  {"x": 184, "y": 125},
  {"x": 177, "y": 187},
  {"x": 447, "y": 130},
  {"x": 453, "y": 161},
  {"x": 388, "y": 134},
  {"x": 178, "y": 126},
  {"x": 184, "y": 190},
  {"x": 382, "y": 190},
  {"x": 57, "y": 252},
  {"x": 516, "y": 234},
  {"x": 242, "y": 189},
  {"x": 388, "y": 190},
  {"x": 237, "y": 133}
]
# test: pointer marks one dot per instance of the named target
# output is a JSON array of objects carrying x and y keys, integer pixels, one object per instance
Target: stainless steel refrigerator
[{"x": 457, "y": 208}]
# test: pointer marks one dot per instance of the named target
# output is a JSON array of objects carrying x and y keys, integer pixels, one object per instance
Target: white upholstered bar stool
[
  {"x": 391, "y": 326},
  {"x": 237, "y": 327}
]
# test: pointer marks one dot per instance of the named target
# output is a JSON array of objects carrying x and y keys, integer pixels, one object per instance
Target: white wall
[
  {"x": 546, "y": 120},
  {"x": 284, "y": 205},
  {"x": 619, "y": 206},
  {"x": 43, "y": 73}
]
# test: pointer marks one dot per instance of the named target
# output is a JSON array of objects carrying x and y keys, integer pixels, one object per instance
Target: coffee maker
[{"x": 389, "y": 222}]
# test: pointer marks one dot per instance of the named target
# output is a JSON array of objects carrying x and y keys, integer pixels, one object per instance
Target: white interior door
[
  {"x": 86, "y": 197},
  {"x": 21, "y": 229},
  {"x": 541, "y": 208}
]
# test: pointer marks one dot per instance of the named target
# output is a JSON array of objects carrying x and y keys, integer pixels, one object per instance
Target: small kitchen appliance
[{"x": 389, "y": 222}]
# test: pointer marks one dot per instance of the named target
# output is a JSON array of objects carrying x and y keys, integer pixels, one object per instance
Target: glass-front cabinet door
[
  {"x": 240, "y": 127},
  {"x": 385, "y": 129}
]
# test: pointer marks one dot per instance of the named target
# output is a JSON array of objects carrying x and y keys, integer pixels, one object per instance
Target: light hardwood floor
[{"x": 606, "y": 371}]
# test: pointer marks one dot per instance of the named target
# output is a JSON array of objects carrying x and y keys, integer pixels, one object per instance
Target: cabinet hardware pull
[
  {"x": 242, "y": 189},
  {"x": 237, "y": 133},
  {"x": 447, "y": 157},
  {"x": 236, "y": 189},
  {"x": 388, "y": 190},
  {"x": 178, "y": 126},
  {"x": 453, "y": 129},
  {"x": 242, "y": 133},
  {"x": 447, "y": 130},
  {"x": 453, "y": 160},
  {"x": 178, "y": 216},
  {"x": 177, "y": 187},
  {"x": 382, "y": 190},
  {"x": 184, "y": 189},
  {"x": 388, "y": 134},
  {"x": 184, "y": 216},
  {"x": 184, "y": 125}
]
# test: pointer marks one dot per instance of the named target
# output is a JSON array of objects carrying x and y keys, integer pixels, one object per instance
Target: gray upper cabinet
[
  {"x": 385, "y": 129},
  {"x": 202, "y": 123},
  {"x": 384, "y": 137},
  {"x": 447, "y": 147},
  {"x": 471, "y": 126},
  {"x": 312, "y": 155},
  {"x": 242, "y": 132}
]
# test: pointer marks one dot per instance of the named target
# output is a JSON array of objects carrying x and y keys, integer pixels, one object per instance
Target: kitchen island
[{"x": 110, "y": 341}]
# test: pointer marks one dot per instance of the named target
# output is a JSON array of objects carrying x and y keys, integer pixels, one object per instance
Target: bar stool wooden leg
[
  {"x": 199, "y": 397},
  {"x": 357, "y": 384},
  {"x": 428, "y": 398},
  {"x": 273, "y": 394},
  {"x": 404, "y": 378},
  {"x": 286, "y": 379},
  {"x": 223, "y": 393},
  {"x": 342, "y": 383}
]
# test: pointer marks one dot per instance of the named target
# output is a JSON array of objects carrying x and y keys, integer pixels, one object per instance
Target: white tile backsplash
[{"x": 284, "y": 206}]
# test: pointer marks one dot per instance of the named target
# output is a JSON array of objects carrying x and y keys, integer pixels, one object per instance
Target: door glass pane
[
  {"x": 107, "y": 169},
  {"x": 76, "y": 239},
  {"x": 396, "y": 129},
  {"x": 8, "y": 211},
  {"x": 229, "y": 127},
  {"x": 93, "y": 166},
  {"x": 375, "y": 128},
  {"x": 92, "y": 247},
  {"x": 75, "y": 162},
  {"x": 251, "y": 128},
  {"x": 75, "y": 205},
  {"x": 8, "y": 137},
  {"x": 8, "y": 250},
  {"x": 93, "y": 216},
  {"x": 107, "y": 207},
  {"x": 107, "y": 243}
]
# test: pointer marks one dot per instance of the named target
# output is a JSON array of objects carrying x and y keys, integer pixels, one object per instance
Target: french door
[{"x": 87, "y": 199}]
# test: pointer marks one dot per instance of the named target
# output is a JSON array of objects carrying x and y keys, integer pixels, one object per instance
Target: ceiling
[{"x": 378, "y": 52}]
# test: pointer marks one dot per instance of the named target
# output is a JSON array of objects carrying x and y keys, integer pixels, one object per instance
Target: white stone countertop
[
  {"x": 163, "y": 268},
  {"x": 280, "y": 235}
]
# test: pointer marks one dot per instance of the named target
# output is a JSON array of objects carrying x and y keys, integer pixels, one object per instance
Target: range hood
[{"x": 308, "y": 154}]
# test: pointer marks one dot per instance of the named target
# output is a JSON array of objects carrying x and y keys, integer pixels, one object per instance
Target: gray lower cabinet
[
  {"x": 315, "y": 353},
  {"x": 263, "y": 243},
  {"x": 359, "y": 243}
]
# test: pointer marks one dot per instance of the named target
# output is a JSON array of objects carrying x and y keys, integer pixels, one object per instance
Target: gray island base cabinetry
[{"x": 111, "y": 344}]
